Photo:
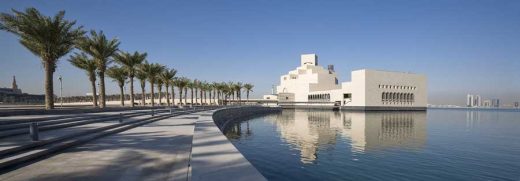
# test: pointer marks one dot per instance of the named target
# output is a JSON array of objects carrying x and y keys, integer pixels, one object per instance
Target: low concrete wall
[{"x": 224, "y": 117}]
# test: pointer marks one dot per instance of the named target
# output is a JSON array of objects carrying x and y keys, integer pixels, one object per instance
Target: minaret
[{"x": 15, "y": 87}]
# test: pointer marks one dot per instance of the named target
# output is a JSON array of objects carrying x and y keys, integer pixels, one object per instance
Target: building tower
[{"x": 14, "y": 86}]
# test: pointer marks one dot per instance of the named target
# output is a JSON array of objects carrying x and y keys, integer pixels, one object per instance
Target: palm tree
[
  {"x": 210, "y": 90},
  {"x": 186, "y": 92},
  {"x": 203, "y": 92},
  {"x": 200, "y": 85},
  {"x": 249, "y": 88},
  {"x": 218, "y": 90},
  {"x": 159, "y": 86},
  {"x": 82, "y": 61},
  {"x": 119, "y": 75},
  {"x": 238, "y": 89},
  {"x": 49, "y": 38},
  {"x": 173, "y": 82},
  {"x": 130, "y": 62},
  {"x": 102, "y": 50},
  {"x": 181, "y": 83},
  {"x": 142, "y": 76},
  {"x": 196, "y": 87},
  {"x": 152, "y": 71},
  {"x": 191, "y": 85},
  {"x": 166, "y": 76},
  {"x": 226, "y": 91},
  {"x": 214, "y": 86}
]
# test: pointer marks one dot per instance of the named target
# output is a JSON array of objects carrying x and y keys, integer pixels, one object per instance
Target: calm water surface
[{"x": 433, "y": 145}]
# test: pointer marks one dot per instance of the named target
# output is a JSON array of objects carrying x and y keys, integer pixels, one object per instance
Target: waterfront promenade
[{"x": 160, "y": 150}]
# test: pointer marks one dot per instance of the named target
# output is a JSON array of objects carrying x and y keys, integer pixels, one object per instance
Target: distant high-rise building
[
  {"x": 486, "y": 103},
  {"x": 495, "y": 102},
  {"x": 469, "y": 100}
]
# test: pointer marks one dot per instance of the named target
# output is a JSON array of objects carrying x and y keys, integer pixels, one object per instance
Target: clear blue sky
[{"x": 462, "y": 46}]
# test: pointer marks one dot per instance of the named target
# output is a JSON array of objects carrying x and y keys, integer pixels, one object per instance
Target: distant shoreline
[{"x": 479, "y": 108}]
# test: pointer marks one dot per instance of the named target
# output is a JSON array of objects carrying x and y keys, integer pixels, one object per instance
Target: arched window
[
  {"x": 413, "y": 97},
  {"x": 383, "y": 96}
]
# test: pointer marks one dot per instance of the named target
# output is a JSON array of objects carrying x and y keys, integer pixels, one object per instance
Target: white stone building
[{"x": 312, "y": 86}]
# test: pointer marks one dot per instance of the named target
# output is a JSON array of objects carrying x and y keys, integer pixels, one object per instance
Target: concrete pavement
[{"x": 156, "y": 151}]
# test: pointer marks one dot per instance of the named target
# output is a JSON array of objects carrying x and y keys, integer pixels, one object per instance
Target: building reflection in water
[
  {"x": 472, "y": 118},
  {"x": 311, "y": 130}
]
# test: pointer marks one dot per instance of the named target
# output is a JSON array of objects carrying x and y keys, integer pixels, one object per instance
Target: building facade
[
  {"x": 14, "y": 95},
  {"x": 313, "y": 86}
]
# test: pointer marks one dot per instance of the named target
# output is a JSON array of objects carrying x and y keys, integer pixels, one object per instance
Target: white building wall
[{"x": 398, "y": 82}]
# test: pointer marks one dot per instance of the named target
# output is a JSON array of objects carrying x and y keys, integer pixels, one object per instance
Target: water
[{"x": 433, "y": 145}]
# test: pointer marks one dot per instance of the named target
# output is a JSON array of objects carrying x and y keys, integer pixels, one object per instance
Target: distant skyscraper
[
  {"x": 474, "y": 101},
  {"x": 495, "y": 102},
  {"x": 486, "y": 103},
  {"x": 478, "y": 101},
  {"x": 469, "y": 100}
]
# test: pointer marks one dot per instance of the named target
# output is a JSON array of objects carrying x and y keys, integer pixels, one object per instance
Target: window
[
  {"x": 336, "y": 80},
  {"x": 347, "y": 96}
]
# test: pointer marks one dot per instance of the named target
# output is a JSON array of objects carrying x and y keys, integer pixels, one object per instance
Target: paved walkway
[
  {"x": 215, "y": 158},
  {"x": 156, "y": 151},
  {"x": 14, "y": 141}
]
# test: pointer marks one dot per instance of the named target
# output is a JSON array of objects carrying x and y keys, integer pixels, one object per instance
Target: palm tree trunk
[
  {"x": 247, "y": 94},
  {"x": 173, "y": 95},
  {"x": 214, "y": 94},
  {"x": 132, "y": 99},
  {"x": 201, "y": 96},
  {"x": 210, "y": 97},
  {"x": 143, "y": 94},
  {"x": 180, "y": 95},
  {"x": 49, "y": 89},
  {"x": 205, "y": 97},
  {"x": 185, "y": 95},
  {"x": 102, "y": 97},
  {"x": 167, "y": 95},
  {"x": 191, "y": 96},
  {"x": 153, "y": 93},
  {"x": 122, "y": 96},
  {"x": 160, "y": 93},
  {"x": 196, "y": 95},
  {"x": 94, "y": 93}
]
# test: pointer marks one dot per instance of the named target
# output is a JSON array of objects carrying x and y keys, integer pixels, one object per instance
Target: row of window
[
  {"x": 397, "y": 97},
  {"x": 319, "y": 97},
  {"x": 397, "y": 87}
]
